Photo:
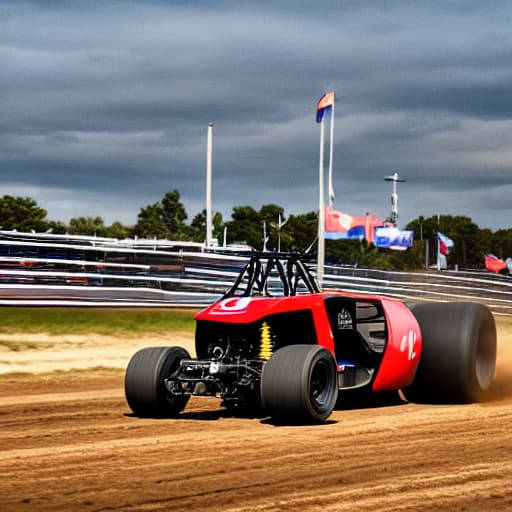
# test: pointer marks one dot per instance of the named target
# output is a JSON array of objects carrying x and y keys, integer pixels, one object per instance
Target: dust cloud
[{"x": 502, "y": 386}]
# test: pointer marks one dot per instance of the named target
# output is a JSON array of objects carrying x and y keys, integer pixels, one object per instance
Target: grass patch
[
  {"x": 71, "y": 320},
  {"x": 117, "y": 322}
]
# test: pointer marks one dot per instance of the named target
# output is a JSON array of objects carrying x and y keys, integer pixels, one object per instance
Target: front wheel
[
  {"x": 299, "y": 384},
  {"x": 144, "y": 384}
]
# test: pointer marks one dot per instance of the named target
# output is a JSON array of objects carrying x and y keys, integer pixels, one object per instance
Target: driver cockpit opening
[{"x": 360, "y": 335}]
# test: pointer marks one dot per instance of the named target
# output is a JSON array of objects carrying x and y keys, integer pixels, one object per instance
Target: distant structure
[{"x": 394, "y": 197}]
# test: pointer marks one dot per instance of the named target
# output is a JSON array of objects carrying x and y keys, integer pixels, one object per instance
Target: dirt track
[{"x": 68, "y": 442}]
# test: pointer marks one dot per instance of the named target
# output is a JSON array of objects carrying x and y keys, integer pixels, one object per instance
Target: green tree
[
  {"x": 358, "y": 253},
  {"x": 270, "y": 215},
  {"x": 118, "y": 230},
  {"x": 174, "y": 215},
  {"x": 89, "y": 226},
  {"x": 501, "y": 243},
  {"x": 466, "y": 235},
  {"x": 198, "y": 227},
  {"x": 22, "y": 214},
  {"x": 471, "y": 243},
  {"x": 409, "y": 260},
  {"x": 300, "y": 232},
  {"x": 245, "y": 227},
  {"x": 57, "y": 227},
  {"x": 166, "y": 219},
  {"x": 163, "y": 219},
  {"x": 150, "y": 223}
]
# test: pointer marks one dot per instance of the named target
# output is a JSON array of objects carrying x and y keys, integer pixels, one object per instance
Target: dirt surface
[
  {"x": 69, "y": 442},
  {"x": 42, "y": 353}
]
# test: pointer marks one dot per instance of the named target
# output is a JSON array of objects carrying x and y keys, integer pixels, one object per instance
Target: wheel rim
[
  {"x": 321, "y": 386},
  {"x": 172, "y": 367}
]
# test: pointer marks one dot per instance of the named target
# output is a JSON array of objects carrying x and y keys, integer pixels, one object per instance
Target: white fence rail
[
  {"x": 483, "y": 287},
  {"x": 204, "y": 278}
]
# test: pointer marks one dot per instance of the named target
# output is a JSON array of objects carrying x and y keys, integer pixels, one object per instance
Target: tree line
[{"x": 269, "y": 228}]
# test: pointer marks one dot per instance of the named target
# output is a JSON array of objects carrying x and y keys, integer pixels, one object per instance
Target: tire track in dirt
[
  {"x": 68, "y": 442},
  {"x": 86, "y": 451}
]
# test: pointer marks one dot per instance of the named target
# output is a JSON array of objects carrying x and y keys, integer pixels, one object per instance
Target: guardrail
[
  {"x": 204, "y": 278},
  {"x": 493, "y": 290}
]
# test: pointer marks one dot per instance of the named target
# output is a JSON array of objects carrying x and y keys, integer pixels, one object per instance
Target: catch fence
[{"x": 200, "y": 279}]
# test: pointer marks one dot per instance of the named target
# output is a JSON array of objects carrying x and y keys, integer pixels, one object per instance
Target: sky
[{"x": 104, "y": 105}]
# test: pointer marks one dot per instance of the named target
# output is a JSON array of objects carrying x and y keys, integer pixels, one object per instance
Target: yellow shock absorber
[{"x": 266, "y": 342}]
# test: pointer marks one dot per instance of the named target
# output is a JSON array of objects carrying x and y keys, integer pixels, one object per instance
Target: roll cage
[{"x": 273, "y": 275}]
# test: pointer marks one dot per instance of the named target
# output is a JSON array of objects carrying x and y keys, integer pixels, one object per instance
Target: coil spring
[{"x": 266, "y": 342}]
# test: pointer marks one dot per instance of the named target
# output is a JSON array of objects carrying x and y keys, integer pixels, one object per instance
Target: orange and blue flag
[
  {"x": 340, "y": 226},
  {"x": 325, "y": 104}
]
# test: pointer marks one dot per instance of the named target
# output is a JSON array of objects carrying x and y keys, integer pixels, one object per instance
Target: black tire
[
  {"x": 459, "y": 353},
  {"x": 299, "y": 384},
  {"x": 144, "y": 385}
]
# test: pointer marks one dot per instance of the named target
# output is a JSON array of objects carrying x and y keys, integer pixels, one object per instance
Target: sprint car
[{"x": 277, "y": 343}]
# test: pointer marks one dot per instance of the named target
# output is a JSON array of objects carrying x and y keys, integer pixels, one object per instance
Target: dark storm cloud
[{"x": 108, "y": 103}]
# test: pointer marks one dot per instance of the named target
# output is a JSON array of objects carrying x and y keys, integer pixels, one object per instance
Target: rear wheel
[
  {"x": 459, "y": 352},
  {"x": 299, "y": 384},
  {"x": 144, "y": 384}
]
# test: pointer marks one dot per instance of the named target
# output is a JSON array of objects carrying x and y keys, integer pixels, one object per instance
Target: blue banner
[{"x": 393, "y": 238}]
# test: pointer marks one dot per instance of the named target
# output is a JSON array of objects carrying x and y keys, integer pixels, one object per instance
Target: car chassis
[{"x": 275, "y": 342}]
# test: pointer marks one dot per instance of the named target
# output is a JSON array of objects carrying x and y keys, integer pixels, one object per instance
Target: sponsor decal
[
  {"x": 344, "y": 320},
  {"x": 234, "y": 304},
  {"x": 408, "y": 343}
]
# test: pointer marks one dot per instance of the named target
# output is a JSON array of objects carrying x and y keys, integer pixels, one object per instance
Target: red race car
[{"x": 275, "y": 343}]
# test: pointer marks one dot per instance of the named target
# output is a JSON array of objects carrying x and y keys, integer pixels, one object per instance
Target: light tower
[{"x": 394, "y": 197}]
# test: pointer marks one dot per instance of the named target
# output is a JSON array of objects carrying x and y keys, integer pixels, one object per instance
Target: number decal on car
[{"x": 408, "y": 343}]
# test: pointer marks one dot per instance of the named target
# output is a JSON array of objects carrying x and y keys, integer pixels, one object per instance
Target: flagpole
[
  {"x": 321, "y": 211},
  {"x": 331, "y": 136},
  {"x": 438, "y": 246},
  {"x": 209, "y": 155},
  {"x": 438, "y": 254}
]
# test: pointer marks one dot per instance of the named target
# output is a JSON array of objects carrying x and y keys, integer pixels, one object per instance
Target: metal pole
[
  {"x": 394, "y": 196},
  {"x": 209, "y": 159},
  {"x": 438, "y": 246},
  {"x": 331, "y": 137},
  {"x": 438, "y": 254},
  {"x": 321, "y": 212},
  {"x": 279, "y": 233}
]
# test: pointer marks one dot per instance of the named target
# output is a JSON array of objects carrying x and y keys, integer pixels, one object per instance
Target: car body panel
[
  {"x": 403, "y": 342},
  {"x": 403, "y": 348}
]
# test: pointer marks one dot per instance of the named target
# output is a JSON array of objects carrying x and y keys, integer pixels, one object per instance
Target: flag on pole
[
  {"x": 340, "y": 225},
  {"x": 494, "y": 264},
  {"x": 445, "y": 244},
  {"x": 325, "y": 103},
  {"x": 371, "y": 223}
]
